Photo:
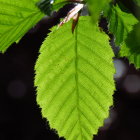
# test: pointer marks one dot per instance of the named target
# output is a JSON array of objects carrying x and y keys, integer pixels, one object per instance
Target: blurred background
[{"x": 20, "y": 116}]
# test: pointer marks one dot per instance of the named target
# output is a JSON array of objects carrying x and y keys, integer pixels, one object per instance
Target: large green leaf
[
  {"x": 74, "y": 79},
  {"x": 16, "y": 18},
  {"x": 96, "y": 6},
  {"x": 120, "y": 23},
  {"x": 131, "y": 47}
]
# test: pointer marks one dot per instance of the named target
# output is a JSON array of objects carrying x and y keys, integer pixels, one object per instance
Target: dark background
[{"x": 20, "y": 117}]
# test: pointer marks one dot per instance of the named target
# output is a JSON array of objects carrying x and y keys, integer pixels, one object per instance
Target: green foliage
[
  {"x": 47, "y": 6},
  {"x": 59, "y": 4},
  {"x": 74, "y": 71},
  {"x": 70, "y": 74},
  {"x": 120, "y": 22},
  {"x": 131, "y": 47},
  {"x": 96, "y": 6},
  {"x": 16, "y": 18}
]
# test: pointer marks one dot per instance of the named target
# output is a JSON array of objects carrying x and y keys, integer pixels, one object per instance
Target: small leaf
[
  {"x": 95, "y": 7},
  {"x": 131, "y": 47},
  {"x": 59, "y": 4},
  {"x": 120, "y": 23},
  {"x": 16, "y": 18},
  {"x": 74, "y": 79}
]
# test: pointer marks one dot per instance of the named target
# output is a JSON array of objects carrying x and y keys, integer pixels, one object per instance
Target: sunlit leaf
[
  {"x": 120, "y": 23},
  {"x": 74, "y": 79},
  {"x": 16, "y": 18}
]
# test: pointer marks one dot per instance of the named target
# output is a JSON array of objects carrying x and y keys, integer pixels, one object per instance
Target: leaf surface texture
[
  {"x": 131, "y": 47},
  {"x": 16, "y": 18},
  {"x": 95, "y": 7},
  {"x": 74, "y": 79},
  {"x": 120, "y": 23}
]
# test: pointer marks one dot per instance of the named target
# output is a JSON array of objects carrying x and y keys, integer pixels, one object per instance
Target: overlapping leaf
[
  {"x": 120, "y": 23},
  {"x": 16, "y": 18},
  {"x": 131, "y": 47},
  {"x": 74, "y": 79},
  {"x": 96, "y": 6}
]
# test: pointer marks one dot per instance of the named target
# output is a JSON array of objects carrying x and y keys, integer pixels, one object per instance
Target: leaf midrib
[{"x": 76, "y": 78}]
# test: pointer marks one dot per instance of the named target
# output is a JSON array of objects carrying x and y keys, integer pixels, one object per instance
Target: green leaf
[
  {"x": 59, "y": 4},
  {"x": 96, "y": 6},
  {"x": 74, "y": 79},
  {"x": 120, "y": 23},
  {"x": 16, "y": 18},
  {"x": 131, "y": 47}
]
